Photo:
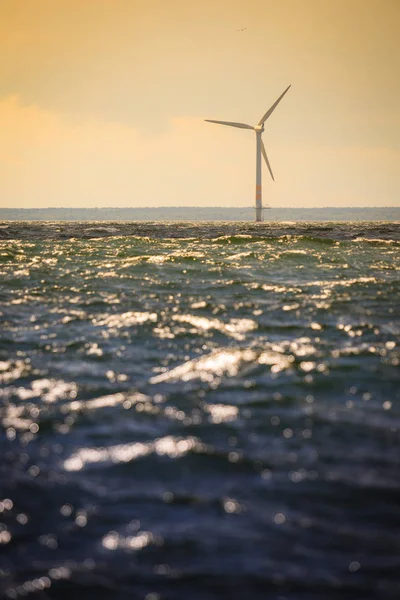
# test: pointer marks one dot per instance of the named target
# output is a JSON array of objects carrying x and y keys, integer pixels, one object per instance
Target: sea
[{"x": 197, "y": 410}]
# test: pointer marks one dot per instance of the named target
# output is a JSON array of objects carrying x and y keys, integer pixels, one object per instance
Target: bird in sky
[{"x": 244, "y": 29}]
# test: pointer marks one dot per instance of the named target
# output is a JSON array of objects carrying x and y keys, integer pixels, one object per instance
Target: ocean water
[
  {"x": 200, "y": 411},
  {"x": 202, "y": 213}
]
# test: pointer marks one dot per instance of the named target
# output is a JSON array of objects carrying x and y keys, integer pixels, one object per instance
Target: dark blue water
[{"x": 202, "y": 417}]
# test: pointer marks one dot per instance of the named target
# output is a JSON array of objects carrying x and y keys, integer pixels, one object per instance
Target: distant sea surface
[
  {"x": 202, "y": 213},
  {"x": 200, "y": 410}
]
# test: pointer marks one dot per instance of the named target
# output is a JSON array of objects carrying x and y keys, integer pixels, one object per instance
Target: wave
[{"x": 223, "y": 233}]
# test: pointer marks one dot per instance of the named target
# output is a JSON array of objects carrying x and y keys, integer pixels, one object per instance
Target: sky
[{"x": 102, "y": 102}]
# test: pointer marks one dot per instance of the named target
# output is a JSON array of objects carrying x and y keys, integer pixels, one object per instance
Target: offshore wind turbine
[{"x": 260, "y": 149}]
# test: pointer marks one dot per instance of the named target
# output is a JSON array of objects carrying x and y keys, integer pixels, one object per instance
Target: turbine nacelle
[{"x": 259, "y": 128}]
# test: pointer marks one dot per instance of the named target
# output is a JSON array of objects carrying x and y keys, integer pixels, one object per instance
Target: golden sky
[{"x": 102, "y": 102}]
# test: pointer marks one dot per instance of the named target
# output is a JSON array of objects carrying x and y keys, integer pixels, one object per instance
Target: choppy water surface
[{"x": 208, "y": 417}]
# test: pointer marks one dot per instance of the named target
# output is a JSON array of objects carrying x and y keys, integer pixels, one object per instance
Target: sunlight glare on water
[{"x": 220, "y": 408}]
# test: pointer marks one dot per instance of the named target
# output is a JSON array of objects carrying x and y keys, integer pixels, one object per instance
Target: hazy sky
[{"x": 102, "y": 102}]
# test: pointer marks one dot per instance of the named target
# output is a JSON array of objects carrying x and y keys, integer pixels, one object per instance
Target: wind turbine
[{"x": 260, "y": 149}]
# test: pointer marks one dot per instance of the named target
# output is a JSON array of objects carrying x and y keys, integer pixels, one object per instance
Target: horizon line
[{"x": 190, "y": 206}]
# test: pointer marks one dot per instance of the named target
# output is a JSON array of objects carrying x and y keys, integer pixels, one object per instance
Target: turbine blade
[
  {"x": 275, "y": 104},
  {"x": 240, "y": 125},
  {"x": 266, "y": 160}
]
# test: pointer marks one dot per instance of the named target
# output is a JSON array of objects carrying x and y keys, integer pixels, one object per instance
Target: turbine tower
[{"x": 260, "y": 149}]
